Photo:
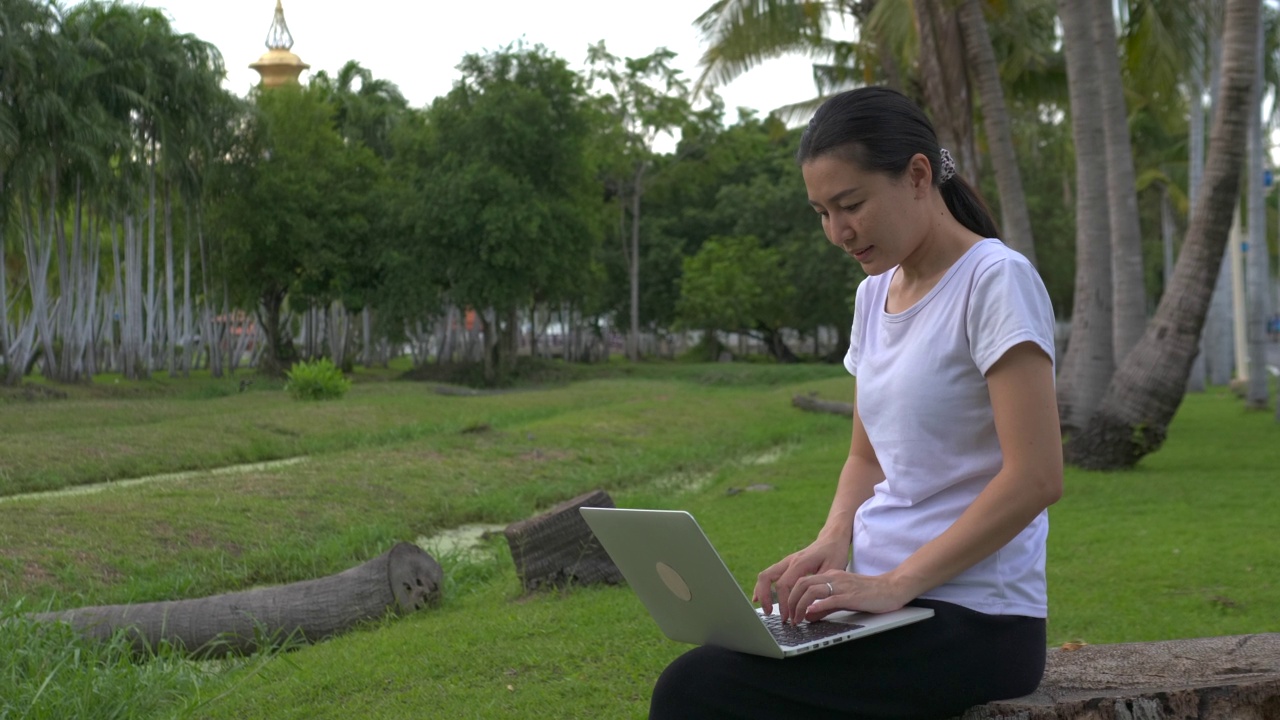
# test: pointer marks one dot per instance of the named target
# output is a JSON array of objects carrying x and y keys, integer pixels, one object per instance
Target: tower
[{"x": 278, "y": 66}]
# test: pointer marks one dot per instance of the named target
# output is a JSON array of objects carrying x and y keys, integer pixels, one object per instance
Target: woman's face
[{"x": 875, "y": 218}]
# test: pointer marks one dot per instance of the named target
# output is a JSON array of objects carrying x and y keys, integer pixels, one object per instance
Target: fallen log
[
  {"x": 813, "y": 404},
  {"x": 1216, "y": 678},
  {"x": 557, "y": 548},
  {"x": 401, "y": 580}
]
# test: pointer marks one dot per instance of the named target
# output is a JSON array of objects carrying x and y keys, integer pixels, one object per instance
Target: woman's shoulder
[{"x": 991, "y": 251}]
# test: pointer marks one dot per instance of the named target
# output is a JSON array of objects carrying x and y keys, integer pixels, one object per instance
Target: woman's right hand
[{"x": 822, "y": 555}]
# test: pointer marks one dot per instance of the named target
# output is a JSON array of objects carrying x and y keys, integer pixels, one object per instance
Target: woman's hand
[
  {"x": 817, "y": 596},
  {"x": 823, "y": 555}
]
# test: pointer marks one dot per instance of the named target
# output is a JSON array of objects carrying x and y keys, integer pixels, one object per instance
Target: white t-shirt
[{"x": 922, "y": 397}]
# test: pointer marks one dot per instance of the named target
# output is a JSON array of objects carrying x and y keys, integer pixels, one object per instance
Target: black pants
[{"x": 930, "y": 670}]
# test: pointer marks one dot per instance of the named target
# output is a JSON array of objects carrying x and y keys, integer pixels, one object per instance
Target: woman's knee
[{"x": 686, "y": 684}]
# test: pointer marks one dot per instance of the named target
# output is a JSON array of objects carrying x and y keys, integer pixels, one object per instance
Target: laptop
[{"x": 680, "y": 578}]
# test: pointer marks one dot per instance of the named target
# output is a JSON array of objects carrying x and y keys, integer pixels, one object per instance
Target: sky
[{"x": 417, "y": 44}]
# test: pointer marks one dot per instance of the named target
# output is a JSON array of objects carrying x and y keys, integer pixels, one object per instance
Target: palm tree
[
  {"x": 743, "y": 33},
  {"x": 1128, "y": 290},
  {"x": 1015, "y": 225},
  {"x": 1089, "y": 361},
  {"x": 1147, "y": 389},
  {"x": 1257, "y": 259}
]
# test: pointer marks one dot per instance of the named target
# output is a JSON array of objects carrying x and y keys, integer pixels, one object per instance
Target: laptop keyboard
[{"x": 787, "y": 634}]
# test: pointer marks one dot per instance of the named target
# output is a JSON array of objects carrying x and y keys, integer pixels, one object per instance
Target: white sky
[{"x": 418, "y": 43}]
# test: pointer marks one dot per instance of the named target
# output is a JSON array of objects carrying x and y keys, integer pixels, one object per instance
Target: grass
[{"x": 1182, "y": 546}]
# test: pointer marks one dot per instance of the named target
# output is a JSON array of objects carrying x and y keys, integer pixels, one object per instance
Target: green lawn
[{"x": 1183, "y": 546}]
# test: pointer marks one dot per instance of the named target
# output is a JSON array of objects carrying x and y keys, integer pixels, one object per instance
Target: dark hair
[{"x": 880, "y": 130}]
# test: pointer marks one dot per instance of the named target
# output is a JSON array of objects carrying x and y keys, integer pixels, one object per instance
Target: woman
[{"x": 955, "y": 456}]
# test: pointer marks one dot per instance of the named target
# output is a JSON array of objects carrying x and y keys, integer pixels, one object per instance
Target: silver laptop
[{"x": 680, "y": 578}]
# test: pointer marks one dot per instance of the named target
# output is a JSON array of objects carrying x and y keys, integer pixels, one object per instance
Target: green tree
[
  {"x": 734, "y": 284},
  {"x": 647, "y": 97},
  {"x": 504, "y": 206},
  {"x": 291, "y": 208}
]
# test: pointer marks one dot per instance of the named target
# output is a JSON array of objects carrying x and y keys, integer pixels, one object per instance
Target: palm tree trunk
[
  {"x": 944, "y": 75},
  {"x": 170, "y": 321},
  {"x": 1128, "y": 289},
  {"x": 89, "y": 312},
  {"x": 1219, "y": 351},
  {"x": 1257, "y": 258},
  {"x": 116, "y": 313},
  {"x": 39, "y": 250},
  {"x": 6, "y": 335},
  {"x": 1147, "y": 389},
  {"x": 1015, "y": 221},
  {"x": 1089, "y": 361},
  {"x": 149, "y": 302},
  {"x": 188, "y": 332},
  {"x": 1195, "y": 169}
]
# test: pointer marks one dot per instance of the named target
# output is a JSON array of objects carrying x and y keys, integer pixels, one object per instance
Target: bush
[{"x": 316, "y": 380}]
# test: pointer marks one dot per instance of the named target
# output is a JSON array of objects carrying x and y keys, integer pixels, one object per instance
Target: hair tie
[{"x": 948, "y": 166}]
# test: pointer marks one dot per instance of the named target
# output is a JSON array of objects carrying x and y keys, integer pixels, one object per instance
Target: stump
[
  {"x": 813, "y": 404},
  {"x": 401, "y": 580},
  {"x": 557, "y": 548},
  {"x": 1217, "y": 678}
]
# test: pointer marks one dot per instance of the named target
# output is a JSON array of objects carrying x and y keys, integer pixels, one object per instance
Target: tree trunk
[
  {"x": 279, "y": 354},
  {"x": 39, "y": 250},
  {"x": 1146, "y": 391},
  {"x": 210, "y": 330},
  {"x": 1195, "y": 169},
  {"x": 1217, "y": 335},
  {"x": 401, "y": 580},
  {"x": 1015, "y": 221},
  {"x": 150, "y": 316},
  {"x": 1257, "y": 258},
  {"x": 633, "y": 337},
  {"x": 6, "y": 335},
  {"x": 778, "y": 347},
  {"x": 1089, "y": 361},
  {"x": 945, "y": 79},
  {"x": 1128, "y": 288},
  {"x": 557, "y": 548},
  {"x": 188, "y": 317},
  {"x": 490, "y": 341}
]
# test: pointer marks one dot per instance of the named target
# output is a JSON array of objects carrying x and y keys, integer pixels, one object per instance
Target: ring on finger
[{"x": 830, "y": 590}]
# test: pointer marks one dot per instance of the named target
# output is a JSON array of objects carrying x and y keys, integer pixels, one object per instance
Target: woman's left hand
[{"x": 817, "y": 596}]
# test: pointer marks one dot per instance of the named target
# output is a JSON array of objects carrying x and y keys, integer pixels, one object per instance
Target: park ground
[{"x": 1182, "y": 546}]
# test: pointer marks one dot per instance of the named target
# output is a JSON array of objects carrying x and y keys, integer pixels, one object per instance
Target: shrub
[{"x": 317, "y": 380}]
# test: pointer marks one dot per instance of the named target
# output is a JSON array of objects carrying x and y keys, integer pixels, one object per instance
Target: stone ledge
[{"x": 1218, "y": 678}]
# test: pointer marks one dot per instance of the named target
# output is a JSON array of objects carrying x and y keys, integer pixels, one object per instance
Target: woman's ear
[{"x": 920, "y": 173}]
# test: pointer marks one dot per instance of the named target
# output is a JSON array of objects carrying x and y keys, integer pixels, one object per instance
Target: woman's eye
[{"x": 851, "y": 208}]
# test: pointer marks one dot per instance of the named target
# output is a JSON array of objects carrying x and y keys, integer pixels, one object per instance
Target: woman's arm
[
  {"x": 1026, "y": 420},
  {"x": 830, "y": 551}
]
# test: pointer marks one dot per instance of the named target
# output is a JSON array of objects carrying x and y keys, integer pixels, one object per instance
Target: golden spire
[{"x": 279, "y": 66}]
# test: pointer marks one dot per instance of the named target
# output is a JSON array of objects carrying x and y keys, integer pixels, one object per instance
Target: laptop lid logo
[{"x": 674, "y": 582}]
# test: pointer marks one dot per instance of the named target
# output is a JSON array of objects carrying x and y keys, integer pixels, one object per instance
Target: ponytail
[{"x": 967, "y": 206}]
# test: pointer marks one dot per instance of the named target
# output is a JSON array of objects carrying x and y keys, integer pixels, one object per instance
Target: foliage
[
  {"x": 317, "y": 380},
  {"x": 733, "y": 284},
  {"x": 51, "y": 673},
  {"x": 498, "y": 205},
  {"x": 293, "y": 208}
]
